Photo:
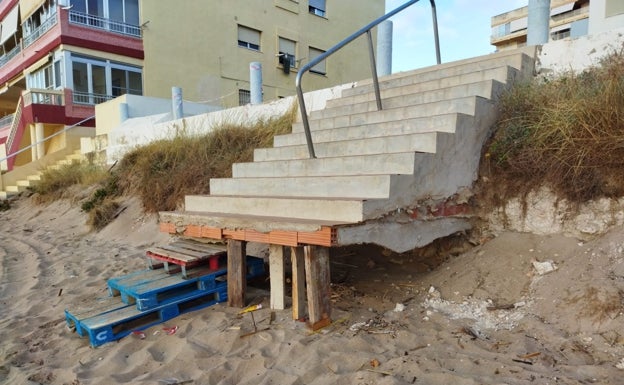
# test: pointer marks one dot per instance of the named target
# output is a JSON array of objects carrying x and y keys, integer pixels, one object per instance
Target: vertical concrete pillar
[
  {"x": 123, "y": 112},
  {"x": 176, "y": 103},
  {"x": 255, "y": 81},
  {"x": 538, "y": 29},
  {"x": 384, "y": 48},
  {"x": 39, "y": 139},
  {"x": 33, "y": 139}
]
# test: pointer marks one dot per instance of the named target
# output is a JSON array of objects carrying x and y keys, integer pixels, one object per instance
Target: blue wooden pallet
[
  {"x": 151, "y": 288},
  {"x": 118, "y": 323}
]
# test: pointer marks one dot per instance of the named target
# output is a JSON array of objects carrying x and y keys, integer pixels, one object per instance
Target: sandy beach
[{"x": 515, "y": 309}]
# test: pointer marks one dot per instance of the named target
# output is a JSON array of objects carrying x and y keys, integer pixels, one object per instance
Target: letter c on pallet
[{"x": 101, "y": 336}]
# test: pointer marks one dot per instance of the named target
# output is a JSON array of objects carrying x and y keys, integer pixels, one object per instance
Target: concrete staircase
[
  {"x": 31, "y": 180},
  {"x": 399, "y": 177}
]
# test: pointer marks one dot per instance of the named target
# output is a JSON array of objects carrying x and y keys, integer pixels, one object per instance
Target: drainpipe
[
  {"x": 538, "y": 29},
  {"x": 39, "y": 137},
  {"x": 255, "y": 82},
  {"x": 33, "y": 139},
  {"x": 384, "y": 48},
  {"x": 176, "y": 103}
]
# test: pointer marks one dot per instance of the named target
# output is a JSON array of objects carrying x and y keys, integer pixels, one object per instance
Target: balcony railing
[
  {"x": 38, "y": 96},
  {"x": 10, "y": 55},
  {"x": 104, "y": 24},
  {"x": 43, "y": 28},
  {"x": 90, "y": 99}
]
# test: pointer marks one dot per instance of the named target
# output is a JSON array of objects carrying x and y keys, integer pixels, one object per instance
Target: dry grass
[
  {"x": 566, "y": 134},
  {"x": 55, "y": 183},
  {"x": 163, "y": 172}
]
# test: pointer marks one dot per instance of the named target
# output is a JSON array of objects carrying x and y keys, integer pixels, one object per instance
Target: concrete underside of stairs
[{"x": 399, "y": 178}]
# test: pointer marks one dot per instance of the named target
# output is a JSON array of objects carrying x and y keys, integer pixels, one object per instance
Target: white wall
[
  {"x": 599, "y": 22},
  {"x": 139, "y": 131},
  {"x": 578, "y": 54}
]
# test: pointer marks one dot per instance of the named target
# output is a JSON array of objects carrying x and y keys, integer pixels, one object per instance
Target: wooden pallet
[
  {"x": 151, "y": 288},
  {"x": 118, "y": 323},
  {"x": 185, "y": 254}
]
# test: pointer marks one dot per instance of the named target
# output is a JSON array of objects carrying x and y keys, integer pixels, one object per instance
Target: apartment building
[
  {"x": 59, "y": 58},
  {"x": 568, "y": 18}
]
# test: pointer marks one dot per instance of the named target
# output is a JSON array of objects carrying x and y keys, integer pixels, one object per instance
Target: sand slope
[{"x": 567, "y": 326}]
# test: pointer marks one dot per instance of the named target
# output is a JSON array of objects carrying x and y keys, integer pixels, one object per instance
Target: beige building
[
  {"x": 206, "y": 47},
  {"x": 568, "y": 18}
]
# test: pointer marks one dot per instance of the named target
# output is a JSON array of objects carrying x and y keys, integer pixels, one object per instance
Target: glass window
[
  {"x": 79, "y": 6},
  {"x": 248, "y": 38},
  {"x": 320, "y": 67},
  {"x": 317, "y": 7},
  {"x": 95, "y": 7},
  {"x": 116, "y": 10},
  {"x": 287, "y": 51},
  {"x": 132, "y": 12},
  {"x": 81, "y": 77}
]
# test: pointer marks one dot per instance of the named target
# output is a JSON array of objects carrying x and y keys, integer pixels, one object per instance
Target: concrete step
[
  {"x": 422, "y": 142},
  {"x": 439, "y": 123},
  {"x": 352, "y": 186},
  {"x": 4, "y": 195},
  {"x": 15, "y": 189},
  {"x": 465, "y": 105},
  {"x": 329, "y": 209},
  {"x": 25, "y": 183},
  {"x": 516, "y": 59},
  {"x": 34, "y": 177},
  {"x": 398, "y": 163},
  {"x": 410, "y": 96}
]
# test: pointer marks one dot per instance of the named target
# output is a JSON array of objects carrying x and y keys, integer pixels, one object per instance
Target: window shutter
[{"x": 249, "y": 35}]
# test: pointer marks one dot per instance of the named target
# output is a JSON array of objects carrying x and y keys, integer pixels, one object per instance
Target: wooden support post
[
  {"x": 236, "y": 272},
  {"x": 298, "y": 283},
  {"x": 318, "y": 284},
  {"x": 276, "y": 272}
]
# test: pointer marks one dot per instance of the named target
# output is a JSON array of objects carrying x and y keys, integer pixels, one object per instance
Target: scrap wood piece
[
  {"x": 529, "y": 355},
  {"x": 502, "y": 307}
]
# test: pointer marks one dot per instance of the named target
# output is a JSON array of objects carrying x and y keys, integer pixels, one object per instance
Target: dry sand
[{"x": 396, "y": 321}]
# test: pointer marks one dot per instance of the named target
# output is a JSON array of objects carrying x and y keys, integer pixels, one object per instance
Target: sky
[{"x": 464, "y": 28}]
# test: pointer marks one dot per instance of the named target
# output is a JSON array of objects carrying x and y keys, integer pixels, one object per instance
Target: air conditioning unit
[{"x": 286, "y": 60}]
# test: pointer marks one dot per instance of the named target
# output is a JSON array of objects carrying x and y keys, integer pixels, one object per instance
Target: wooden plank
[
  {"x": 298, "y": 283},
  {"x": 171, "y": 255},
  {"x": 318, "y": 285},
  {"x": 236, "y": 272},
  {"x": 182, "y": 250},
  {"x": 276, "y": 273},
  {"x": 197, "y": 247}
]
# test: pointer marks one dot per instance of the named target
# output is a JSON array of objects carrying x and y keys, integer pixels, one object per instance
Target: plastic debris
[
  {"x": 171, "y": 330},
  {"x": 139, "y": 334},
  {"x": 399, "y": 307},
  {"x": 251, "y": 308},
  {"x": 544, "y": 267}
]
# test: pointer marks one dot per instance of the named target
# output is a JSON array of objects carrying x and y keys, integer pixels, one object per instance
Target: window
[
  {"x": 287, "y": 51},
  {"x": 317, "y": 7},
  {"x": 244, "y": 97},
  {"x": 320, "y": 67},
  {"x": 124, "y": 11},
  {"x": 248, "y": 38},
  {"x": 46, "y": 78},
  {"x": 95, "y": 80}
]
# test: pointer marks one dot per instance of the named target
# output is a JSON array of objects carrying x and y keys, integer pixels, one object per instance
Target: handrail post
[
  {"x": 434, "y": 15},
  {"x": 304, "y": 116},
  {"x": 374, "y": 69}
]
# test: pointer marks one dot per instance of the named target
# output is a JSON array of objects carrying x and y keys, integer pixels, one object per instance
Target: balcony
[
  {"x": 86, "y": 98},
  {"x": 39, "y": 31},
  {"x": 38, "y": 96},
  {"x": 10, "y": 55},
  {"x": 104, "y": 24}
]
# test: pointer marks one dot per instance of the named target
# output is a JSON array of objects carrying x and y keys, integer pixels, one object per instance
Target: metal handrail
[
  {"x": 367, "y": 29},
  {"x": 46, "y": 138}
]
